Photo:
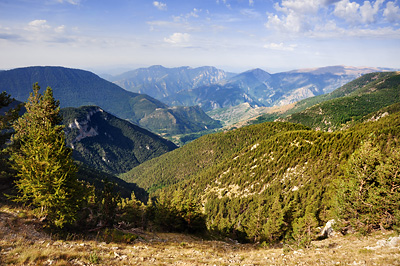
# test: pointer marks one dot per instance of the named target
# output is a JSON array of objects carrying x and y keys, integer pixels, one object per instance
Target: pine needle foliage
[
  {"x": 6, "y": 119},
  {"x": 46, "y": 171},
  {"x": 369, "y": 195}
]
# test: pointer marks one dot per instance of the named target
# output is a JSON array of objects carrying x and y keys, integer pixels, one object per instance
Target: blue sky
[{"x": 235, "y": 35}]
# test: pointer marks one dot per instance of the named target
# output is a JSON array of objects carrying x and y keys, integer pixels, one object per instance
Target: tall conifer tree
[
  {"x": 7, "y": 116},
  {"x": 45, "y": 167}
]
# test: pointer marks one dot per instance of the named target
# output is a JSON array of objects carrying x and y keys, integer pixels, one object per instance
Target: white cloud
[
  {"x": 355, "y": 13},
  {"x": 60, "y": 29},
  {"x": 251, "y": 13},
  {"x": 72, "y": 2},
  {"x": 280, "y": 47},
  {"x": 299, "y": 6},
  {"x": 369, "y": 12},
  {"x": 178, "y": 38},
  {"x": 297, "y": 16},
  {"x": 291, "y": 22},
  {"x": 320, "y": 19},
  {"x": 251, "y": 2},
  {"x": 38, "y": 25},
  {"x": 160, "y": 5},
  {"x": 347, "y": 11},
  {"x": 194, "y": 13},
  {"x": 392, "y": 12}
]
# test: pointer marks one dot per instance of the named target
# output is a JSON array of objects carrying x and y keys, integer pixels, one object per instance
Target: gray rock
[{"x": 327, "y": 230}]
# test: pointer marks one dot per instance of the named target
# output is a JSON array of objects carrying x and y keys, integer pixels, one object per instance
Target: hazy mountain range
[
  {"x": 160, "y": 82},
  {"x": 212, "y": 88}
]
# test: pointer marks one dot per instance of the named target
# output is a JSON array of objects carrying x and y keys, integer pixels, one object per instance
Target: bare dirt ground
[{"x": 22, "y": 242}]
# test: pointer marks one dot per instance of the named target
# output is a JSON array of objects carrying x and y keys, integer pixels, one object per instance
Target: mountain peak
[
  {"x": 156, "y": 67},
  {"x": 257, "y": 73},
  {"x": 260, "y": 74}
]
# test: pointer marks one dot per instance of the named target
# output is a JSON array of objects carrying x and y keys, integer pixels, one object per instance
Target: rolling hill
[{"x": 75, "y": 88}]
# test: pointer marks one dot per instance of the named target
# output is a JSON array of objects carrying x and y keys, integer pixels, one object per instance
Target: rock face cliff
[
  {"x": 85, "y": 130},
  {"x": 108, "y": 143}
]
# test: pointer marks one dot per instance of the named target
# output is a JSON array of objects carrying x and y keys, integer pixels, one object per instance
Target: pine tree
[
  {"x": 369, "y": 197},
  {"x": 6, "y": 119},
  {"x": 45, "y": 167}
]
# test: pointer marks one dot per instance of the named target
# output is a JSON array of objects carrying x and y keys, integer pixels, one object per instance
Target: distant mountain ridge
[
  {"x": 211, "y": 88},
  {"x": 160, "y": 82},
  {"x": 75, "y": 88},
  {"x": 341, "y": 70}
]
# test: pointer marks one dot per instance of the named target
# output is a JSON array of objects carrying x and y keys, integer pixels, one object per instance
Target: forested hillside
[
  {"x": 280, "y": 185},
  {"x": 107, "y": 143},
  {"x": 200, "y": 154},
  {"x": 100, "y": 180},
  {"x": 274, "y": 180}
]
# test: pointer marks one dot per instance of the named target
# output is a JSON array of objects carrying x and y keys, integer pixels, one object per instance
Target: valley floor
[{"x": 21, "y": 243}]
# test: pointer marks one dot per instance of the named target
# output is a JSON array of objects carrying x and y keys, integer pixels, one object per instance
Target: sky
[{"x": 234, "y": 35}]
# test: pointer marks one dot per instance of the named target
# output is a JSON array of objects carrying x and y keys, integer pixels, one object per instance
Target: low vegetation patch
[{"x": 29, "y": 245}]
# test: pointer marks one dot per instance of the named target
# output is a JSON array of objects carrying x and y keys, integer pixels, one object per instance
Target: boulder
[{"x": 327, "y": 231}]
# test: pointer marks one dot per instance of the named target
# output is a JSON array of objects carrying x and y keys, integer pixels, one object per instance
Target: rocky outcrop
[
  {"x": 391, "y": 242},
  {"x": 83, "y": 126},
  {"x": 327, "y": 231}
]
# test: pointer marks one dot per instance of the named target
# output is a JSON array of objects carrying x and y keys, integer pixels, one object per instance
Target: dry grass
[{"x": 22, "y": 244}]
